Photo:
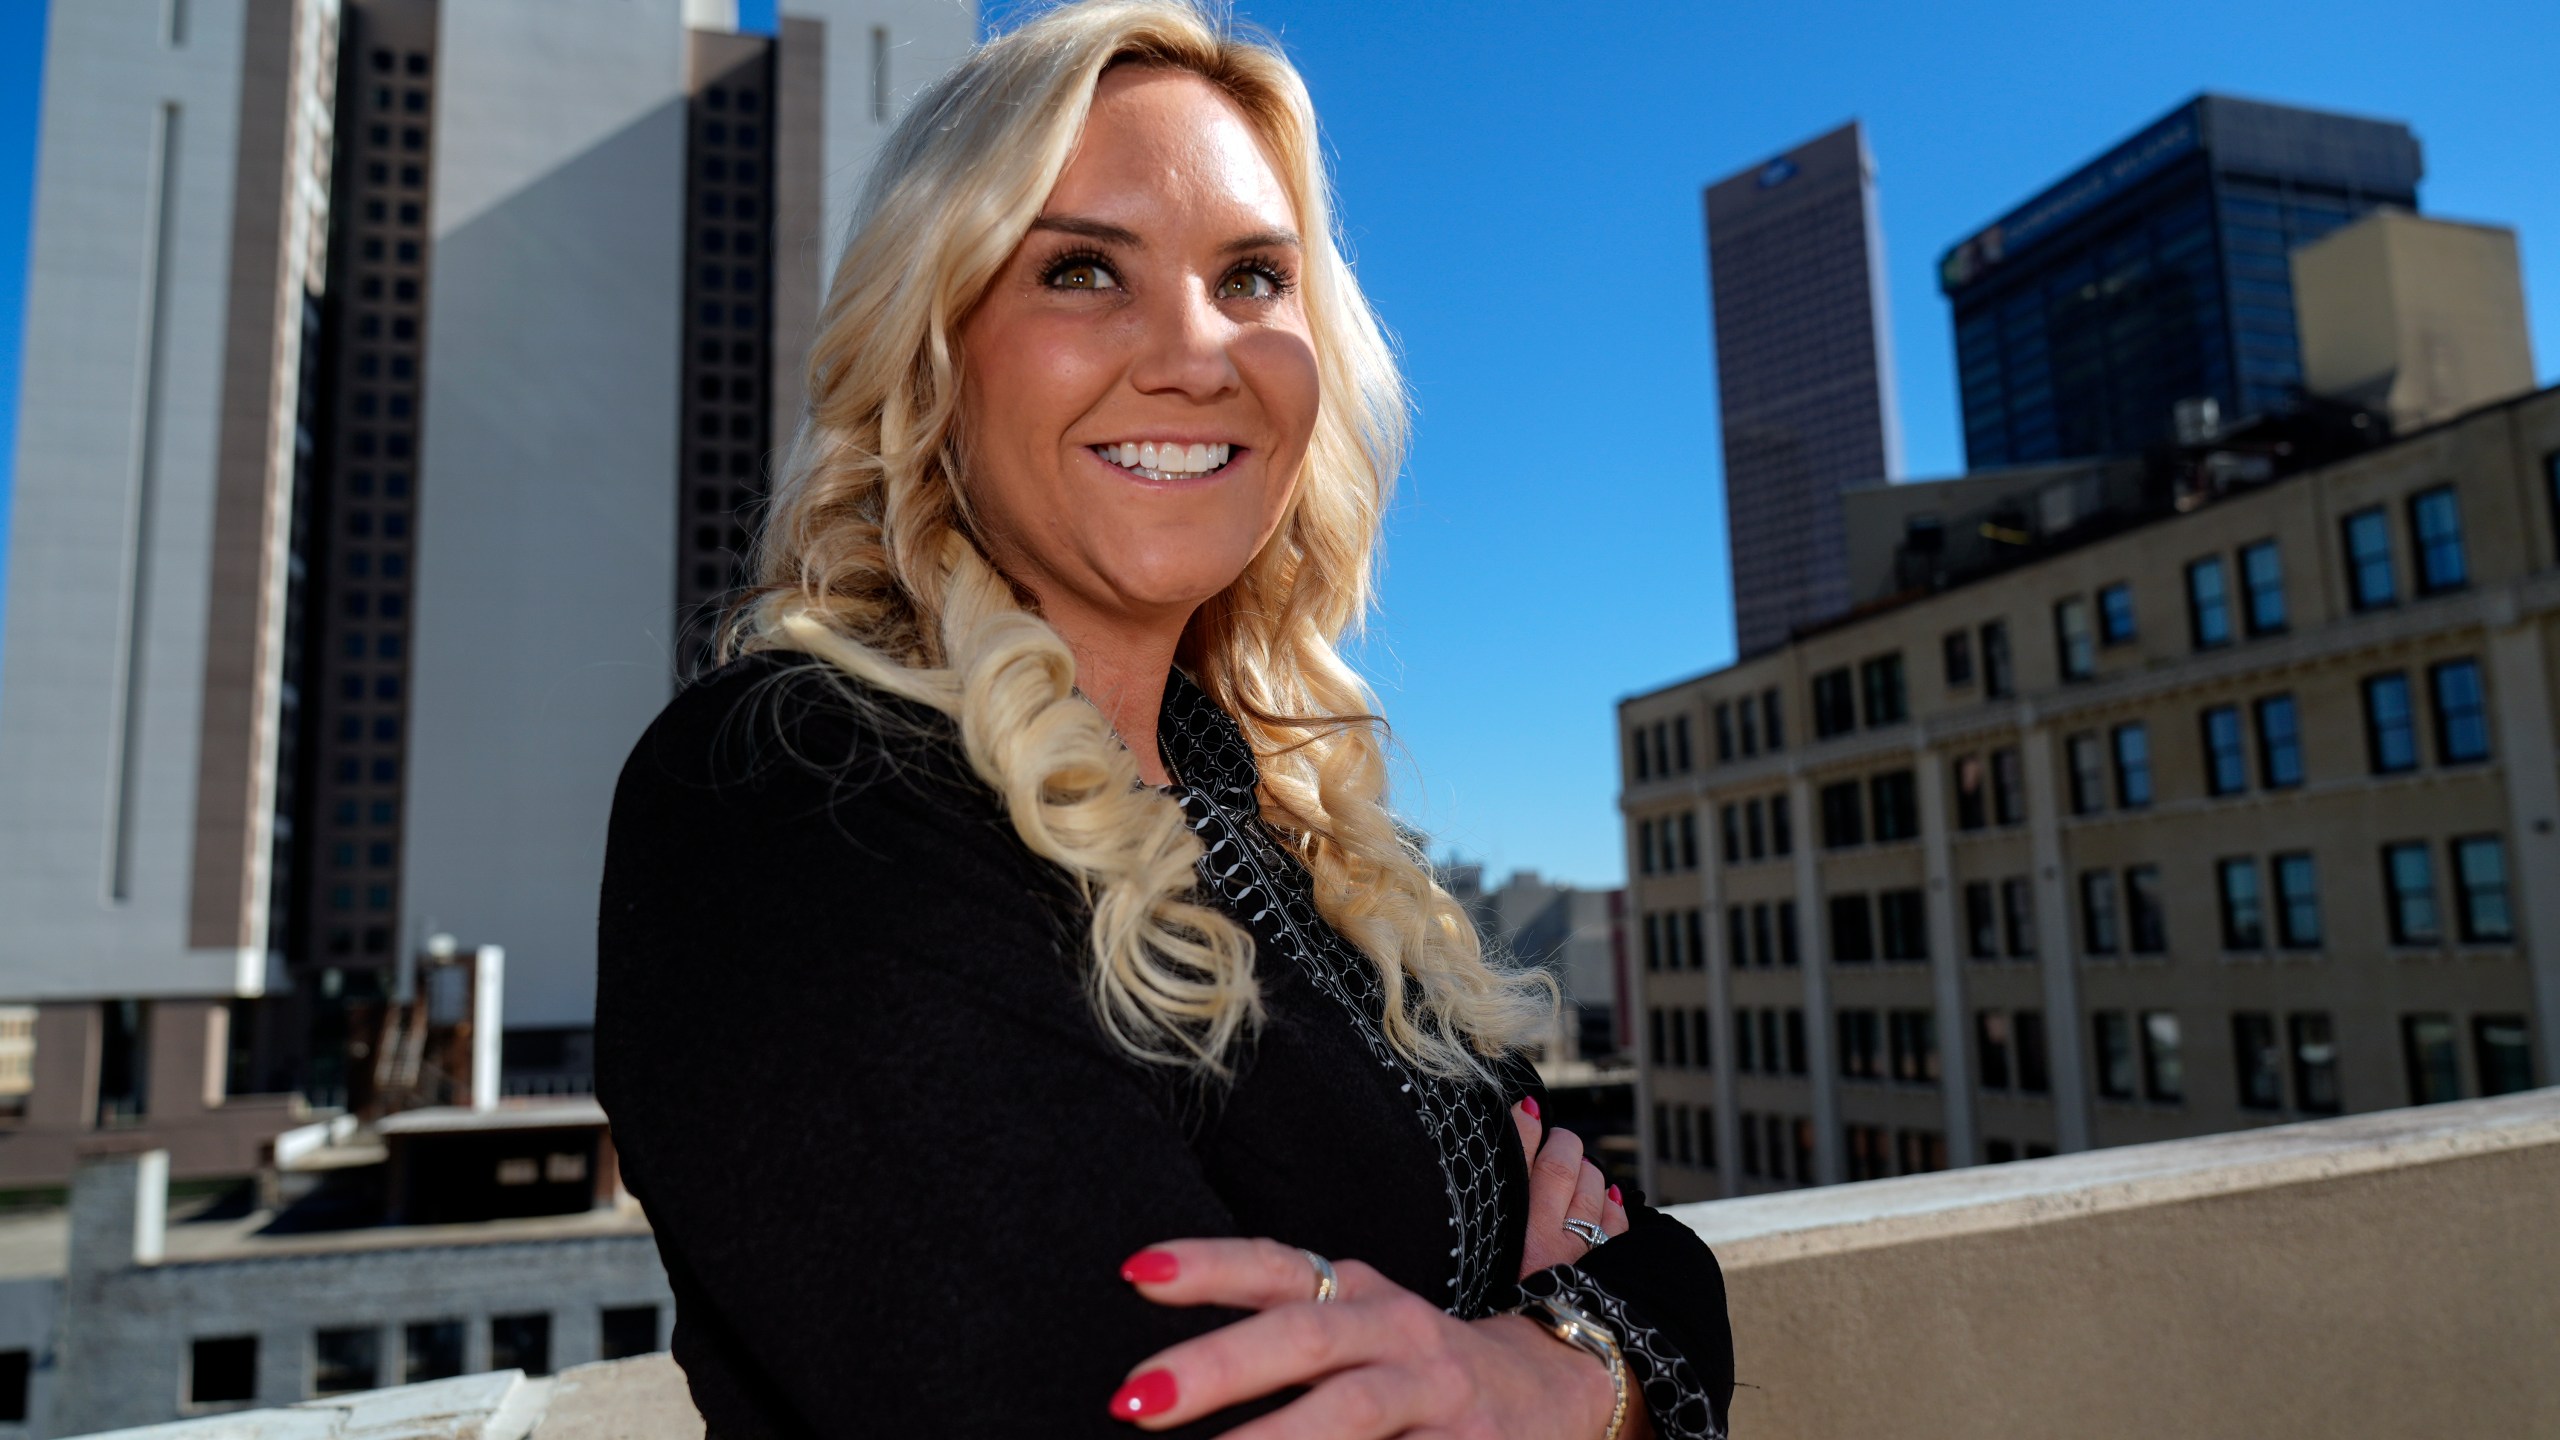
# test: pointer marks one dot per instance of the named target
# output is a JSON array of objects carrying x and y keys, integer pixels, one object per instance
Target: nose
[{"x": 1185, "y": 350}]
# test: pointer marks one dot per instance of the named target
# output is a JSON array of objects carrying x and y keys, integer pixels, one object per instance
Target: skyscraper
[
  {"x": 1804, "y": 373},
  {"x": 2157, "y": 274},
  {"x": 361, "y": 501}
]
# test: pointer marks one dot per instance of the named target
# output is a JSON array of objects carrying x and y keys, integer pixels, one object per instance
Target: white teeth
[{"x": 1167, "y": 459}]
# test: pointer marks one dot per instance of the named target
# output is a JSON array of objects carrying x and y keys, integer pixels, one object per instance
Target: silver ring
[
  {"x": 1328, "y": 1284},
  {"x": 1591, "y": 1234}
]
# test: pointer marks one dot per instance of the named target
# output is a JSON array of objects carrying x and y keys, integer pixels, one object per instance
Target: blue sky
[{"x": 1520, "y": 182}]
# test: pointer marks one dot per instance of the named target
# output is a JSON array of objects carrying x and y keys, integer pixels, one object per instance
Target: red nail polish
[
  {"x": 1614, "y": 1197},
  {"x": 1151, "y": 1267},
  {"x": 1147, "y": 1393},
  {"x": 1529, "y": 1107}
]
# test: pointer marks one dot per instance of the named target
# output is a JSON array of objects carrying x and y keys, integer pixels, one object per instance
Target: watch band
[{"x": 1592, "y": 1338}]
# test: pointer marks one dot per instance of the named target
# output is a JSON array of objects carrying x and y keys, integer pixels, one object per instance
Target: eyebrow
[{"x": 1111, "y": 234}]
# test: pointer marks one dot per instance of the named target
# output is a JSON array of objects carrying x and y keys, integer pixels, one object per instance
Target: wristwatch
[{"x": 1592, "y": 1338}]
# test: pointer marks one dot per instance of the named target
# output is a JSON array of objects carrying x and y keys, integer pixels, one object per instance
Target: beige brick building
[{"x": 2237, "y": 814}]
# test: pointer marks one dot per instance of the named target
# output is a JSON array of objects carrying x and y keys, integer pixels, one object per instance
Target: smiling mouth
[{"x": 1149, "y": 460}]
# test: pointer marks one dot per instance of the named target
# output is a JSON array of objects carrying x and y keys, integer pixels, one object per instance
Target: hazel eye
[
  {"x": 1252, "y": 282},
  {"x": 1078, "y": 272}
]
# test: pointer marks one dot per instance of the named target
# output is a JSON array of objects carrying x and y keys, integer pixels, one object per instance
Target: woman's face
[{"x": 1140, "y": 382}]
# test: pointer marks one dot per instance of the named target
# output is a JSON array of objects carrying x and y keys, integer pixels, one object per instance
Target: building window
[
  {"x": 520, "y": 1342},
  {"x": 1981, "y": 921},
  {"x": 2435, "y": 532},
  {"x": 2035, "y": 1073},
  {"x": 2018, "y": 917},
  {"x": 2279, "y": 743},
  {"x": 1729, "y": 817},
  {"x": 1861, "y": 1047},
  {"x": 2434, "y": 1066},
  {"x": 1751, "y": 1145},
  {"x": 2480, "y": 887},
  {"x": 1737, "y": 949},
  {"x": 1835, "y": 704},
  {"x": 2244, "y": 916},
  {"x": 1865, "y": 1149},
  {"x": 1913, "y": 1035},
  {"x": 1680, "y": 743},
  {"x": 2502, "y": 1052},
  {"x": 2146, "y": 921},
  {"x": 1782, "y": 830},
  {"x": 1853, "y": 940},
  {"x": 2315, "y": 1062},
  {"x": 2390, "y": 724},
  {"x": 345, "y": 1359},
  {"x": 2297, "y": 901},
  {"x": 2116, "y": 624},
  {"x": 2075, "y": 642},
  {"x": 1789, "y": 953},
  {"x": 1843, "y": 823},
  {"x": 2370, "y": 583},
  {"x": 2008, "y": 786},
  {"x": 2133, "y": 766},
  {"x": 1660, "y": 1052},
  {"x": 1921, "y": 1152},
  {"x": 1902, "y": 918},
  {"x": 2208, "y": 604},
  {"x": 1956, "y": 653},
  {"x": 1724, "y": 732},
  {"x": 2262, "y": 583},
  {"x": 1750, "y": 727},
  {"x": 2409, "y": 880},
  {"x": 2113, "y": 1035},
  {"x": 1973, "y": 809},
  {"x": 2226, "y": 755},
  {"x": 222, "y": 1370},
  {"x": 2099, "y": 926},
  {"x": 2260, "y": 1065},
  {"x": 1880, "y": 683},
  {"x": 1762, "y": 952},
  {"x": 1697, "y": 933},
  {"x": 2164, "y": 1076},
  {"x": 1997, "y": 677},
  {"x": 2088, "y": 773},
  {"x": 1773, "y": 724},
  {"x": 1897, "y": 806},
  {"x": 2461, "y": 712},
  {"x": 1991, "y": 1048}
]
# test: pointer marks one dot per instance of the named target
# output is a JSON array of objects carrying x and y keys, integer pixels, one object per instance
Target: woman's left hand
[{"x": 1380, "y": 1360}]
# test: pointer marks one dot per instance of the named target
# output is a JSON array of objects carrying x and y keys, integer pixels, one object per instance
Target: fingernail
[
  {"x": 1151, "y": 1267},
  {"x": 1615, "y": 1198},
  {"x": 1147, "y": 1393},
  {"x": 1529, "y": 1107}
]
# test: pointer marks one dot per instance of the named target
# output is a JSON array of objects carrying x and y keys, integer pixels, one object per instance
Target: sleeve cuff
[{"x": 1678, "y": 1401}]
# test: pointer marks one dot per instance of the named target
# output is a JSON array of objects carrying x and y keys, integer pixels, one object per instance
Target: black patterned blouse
[{"x": 892, "y": 1164}]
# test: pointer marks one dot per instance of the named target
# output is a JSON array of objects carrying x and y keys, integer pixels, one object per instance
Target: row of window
[
  {"x": 1744, "y": 727},
  {"x": 1891, "y": 925},
  {"x": 1870, "y": 1153},
  {"x": 1757, "y": 829},
  {"x": 1896, "y": 1045},
  {"x": 1876, "y": 697},
  {"x": 1777, "y": 1147},
  {"x": 1684, "y": 1135},
  {"x": 1674, "y": 940},
  {"x": 223, "y": 1369},
  {"x": 1667, "y": 844},
  {"x": 1662, "y": 748}
]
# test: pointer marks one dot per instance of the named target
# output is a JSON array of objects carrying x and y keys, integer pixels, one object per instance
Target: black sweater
[{"x": 892, "y": 1163}]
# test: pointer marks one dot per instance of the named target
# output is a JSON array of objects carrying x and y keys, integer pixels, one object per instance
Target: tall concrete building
[
  {"x": 2226, "y": 796},
  {"x": 409, "y": 363},
  {"x": 2157, "y": 274},
  {"x": 1804, "y": 373}
]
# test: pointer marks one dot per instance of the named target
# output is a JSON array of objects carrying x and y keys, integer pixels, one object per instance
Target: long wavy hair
[{"x": 869, "y": 561}]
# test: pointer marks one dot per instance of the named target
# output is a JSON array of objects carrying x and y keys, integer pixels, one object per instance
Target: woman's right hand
[{"x": 1564, "y": 1185}]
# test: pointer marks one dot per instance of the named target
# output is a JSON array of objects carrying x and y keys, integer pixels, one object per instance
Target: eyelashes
[{"x": 1062, "y": 270}]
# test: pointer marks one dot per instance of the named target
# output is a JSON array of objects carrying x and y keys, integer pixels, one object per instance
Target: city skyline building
[
  {"x": 2221, "y": 804},
  {"x": 345, "y": 563},
  {"x": 2157, "y": 274},
  {"x": 1804, "y": 373}
]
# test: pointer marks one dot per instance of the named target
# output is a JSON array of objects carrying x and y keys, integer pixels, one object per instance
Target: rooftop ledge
[{"x": 2386, "y": 1274}]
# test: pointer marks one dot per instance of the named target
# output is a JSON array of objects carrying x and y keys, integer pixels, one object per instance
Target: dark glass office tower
[
  {"x": 2156, "y": 274},
  {"x": 1804, "y": 374}
]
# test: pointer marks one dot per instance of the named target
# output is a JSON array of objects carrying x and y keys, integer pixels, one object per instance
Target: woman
[{"x": 1019, "y": 1011}]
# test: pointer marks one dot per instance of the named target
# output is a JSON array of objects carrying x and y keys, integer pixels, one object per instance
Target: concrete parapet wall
[{"x": 2387, "y": 1274}]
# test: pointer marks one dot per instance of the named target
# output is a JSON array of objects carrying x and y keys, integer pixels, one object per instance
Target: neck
[{"x": 1121, "y": 667}]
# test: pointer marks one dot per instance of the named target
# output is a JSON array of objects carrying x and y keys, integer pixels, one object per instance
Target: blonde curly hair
[{"x": 869, "y": 561}]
